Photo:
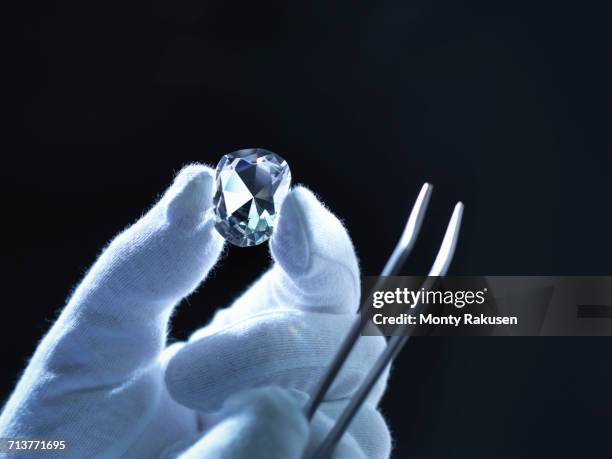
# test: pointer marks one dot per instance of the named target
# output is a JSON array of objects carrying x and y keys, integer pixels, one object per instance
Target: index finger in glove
[
  {"x": 98, "y": 369},
  {"x": 315, "y": 266},
  {"x": 116, "y": 320}
]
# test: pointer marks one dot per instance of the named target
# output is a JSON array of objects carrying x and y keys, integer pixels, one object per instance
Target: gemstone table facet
[{"x": 251, "y": 185}]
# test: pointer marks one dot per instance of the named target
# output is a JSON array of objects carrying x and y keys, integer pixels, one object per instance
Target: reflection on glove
[{"x": 102, "y": 381}]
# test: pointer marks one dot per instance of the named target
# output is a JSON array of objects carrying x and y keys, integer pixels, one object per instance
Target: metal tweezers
[{"x": 396, "y": 343}]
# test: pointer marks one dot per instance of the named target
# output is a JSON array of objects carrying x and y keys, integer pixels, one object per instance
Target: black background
[{"x": 504, "y": 106}]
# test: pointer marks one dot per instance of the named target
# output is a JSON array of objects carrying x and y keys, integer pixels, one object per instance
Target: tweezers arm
[
  {"x": 396, "y": 343},
  {"x": 392, "y": 267}
]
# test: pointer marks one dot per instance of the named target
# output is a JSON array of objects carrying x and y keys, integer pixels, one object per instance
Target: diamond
[{"x": 251, "y": 185}]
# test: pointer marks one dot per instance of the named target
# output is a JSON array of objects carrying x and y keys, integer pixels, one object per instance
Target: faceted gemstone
[{"x": 250, "y": 187}]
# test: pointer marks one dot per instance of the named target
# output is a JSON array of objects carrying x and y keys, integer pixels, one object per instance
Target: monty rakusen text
[{"x": 408, "y": 298}]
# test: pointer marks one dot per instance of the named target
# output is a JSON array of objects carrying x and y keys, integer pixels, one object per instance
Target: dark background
[{"x": 505, "y": 106}]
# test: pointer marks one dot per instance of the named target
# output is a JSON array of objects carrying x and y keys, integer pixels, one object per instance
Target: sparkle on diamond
[{"x": 250, "y": 187}]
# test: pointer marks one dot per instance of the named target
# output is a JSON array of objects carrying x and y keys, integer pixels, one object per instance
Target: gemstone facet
[{"x": 251, "y": 185}]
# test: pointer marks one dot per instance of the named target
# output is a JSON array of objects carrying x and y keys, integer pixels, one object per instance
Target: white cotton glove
[
  {"x": 286, "y": 328},
  {"x": 259, "y": 423},
  {"x": 101, "y": 379}
]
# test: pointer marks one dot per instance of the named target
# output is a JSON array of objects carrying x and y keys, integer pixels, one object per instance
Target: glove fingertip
[
  {"x": 290, "y": 244},
  {"x": 190, "y": 196},
  {"x": 313, "y": 247}
]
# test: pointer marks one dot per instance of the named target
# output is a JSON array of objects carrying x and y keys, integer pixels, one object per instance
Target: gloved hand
[{"x": 103, "y": 380}]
